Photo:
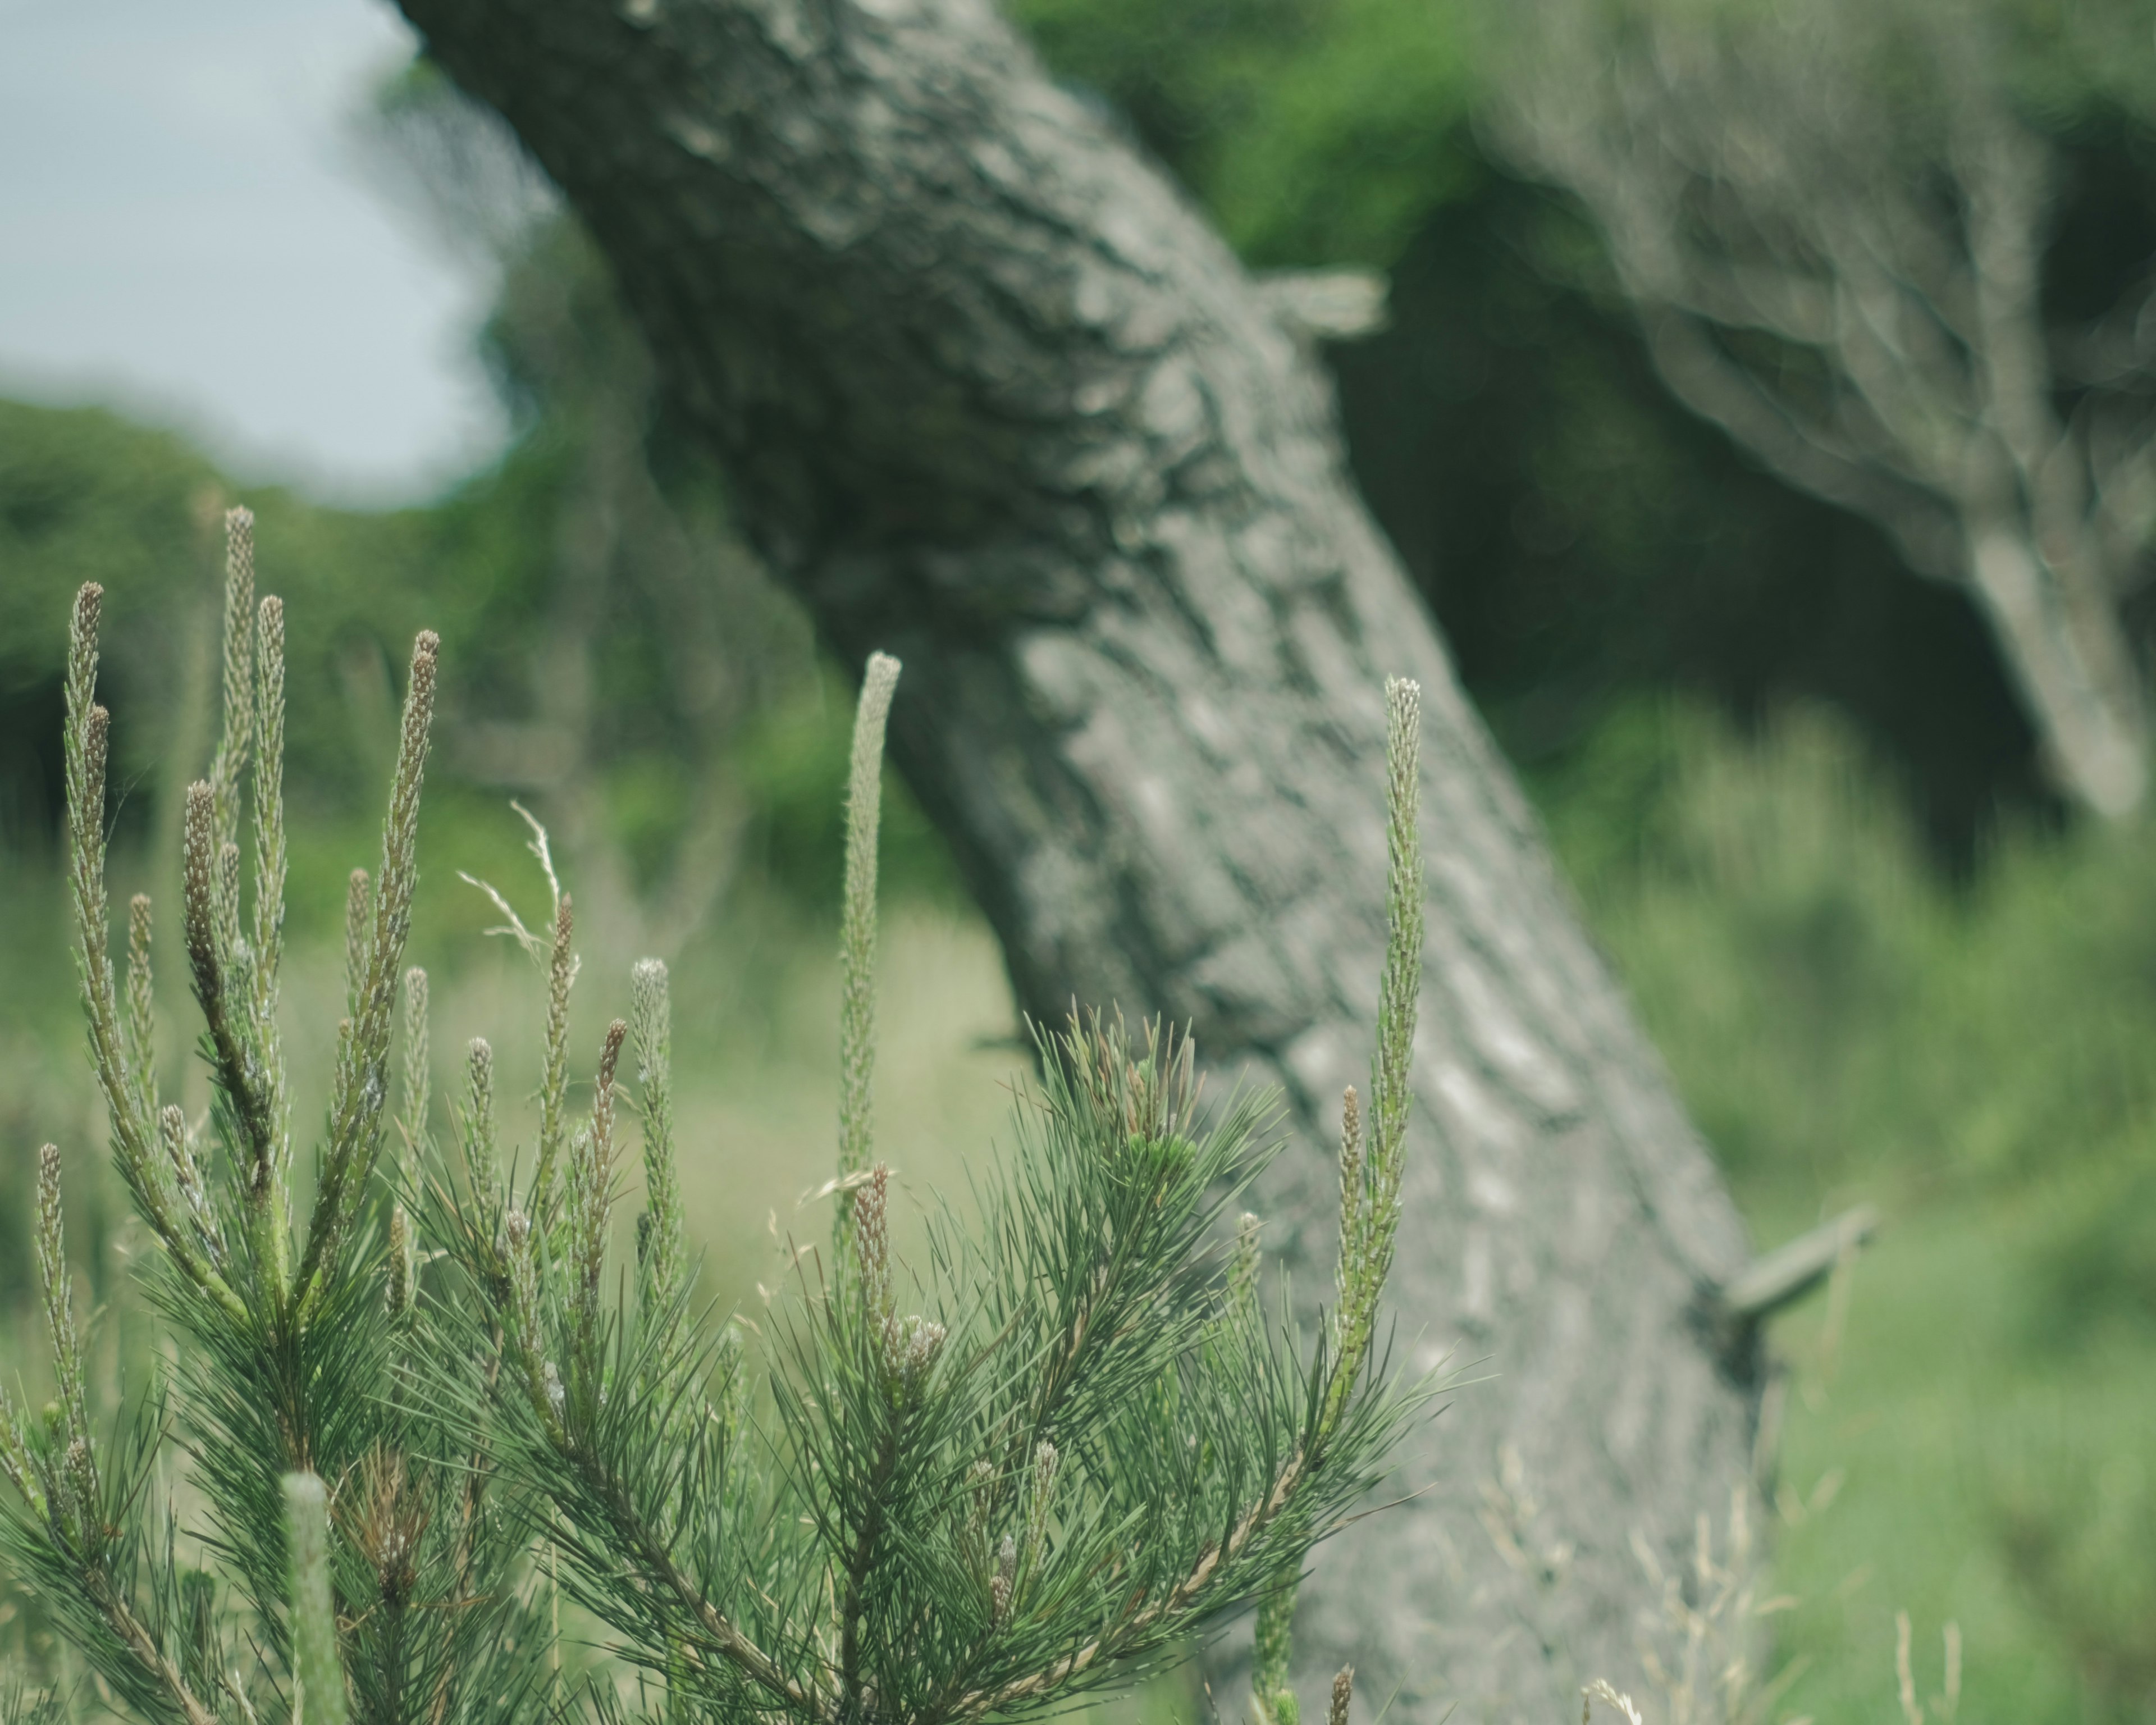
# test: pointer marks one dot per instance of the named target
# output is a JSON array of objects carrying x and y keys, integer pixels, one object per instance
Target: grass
[
  {"x": 1986, "y": 1479},
  {"x": 1967, "y": 1428}
]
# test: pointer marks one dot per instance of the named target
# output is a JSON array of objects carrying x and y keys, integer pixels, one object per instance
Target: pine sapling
[{"x": 1045, "y": 1456}]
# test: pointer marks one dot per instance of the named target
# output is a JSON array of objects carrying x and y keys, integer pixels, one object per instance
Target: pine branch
[
  {"x": 138, "y": 1641},
  {"x": 1272, "y": 1650},
  {"x": 1353, "y": 1202},
  {"x": 1366, "y": 1258},
  {"x": 717, "y": 1631},
  {"x": 358, "y": 921},
  {"x": 1369, "y": 1186},
  {"x": 660, "y": 1263},
  {"x": 1114, "y": 1104},
  {"x": 267, "y": 786},
  {"x": 237, "y": 1062},
  {"x": 554, "y": 1082},
  {"x": 75, "y": 1545},
  {"x": 852, "y": 1703},
  {"x": 363, "y": 1087},
  {"x": 475, "y": 1135},
  {"x": 17, "y": 1461},
  {"x": 872, "y": 1249},
  {"x": 1143, "y": 1625},
  {"x": 138, "y": 1038},
  {"x": 235, "y": 744},
  {"x": 194, "y": 1197},
  {"x": 418, "y": 1078},
  {"x": 79, "y": 1473},
  {"x": 86, "y": 739},
  {"x": 630, "y": 1560},
  {"x": 590, "y": 1218},
  {"x": 857, "y": 935}
]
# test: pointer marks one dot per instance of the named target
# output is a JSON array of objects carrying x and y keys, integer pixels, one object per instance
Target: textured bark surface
[{"x": 998, "y": 402}]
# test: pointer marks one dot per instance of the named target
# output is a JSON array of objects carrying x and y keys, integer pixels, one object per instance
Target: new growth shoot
[
  {"x": 1042, "y": 1457},
  {"x": 1370, "y": 1175},
  {"x": 857, "y": 930},
  {"x": 318, "y": 1696}
]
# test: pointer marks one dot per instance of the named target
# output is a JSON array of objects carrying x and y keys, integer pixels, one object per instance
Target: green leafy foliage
[
  {"x": 1317, "y": 131},
  {"x": 1830, "y": 1003}
]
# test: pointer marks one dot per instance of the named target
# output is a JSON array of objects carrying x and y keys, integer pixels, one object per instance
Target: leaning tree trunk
[{"x": 997, "y": 401}]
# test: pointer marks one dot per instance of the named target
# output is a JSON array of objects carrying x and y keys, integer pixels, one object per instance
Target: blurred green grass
[
  {"x": 1973, "y": 1057},
  {"x": 1986, "y": 1479}
]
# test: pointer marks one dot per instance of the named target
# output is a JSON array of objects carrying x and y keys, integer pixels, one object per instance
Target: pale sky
[{"x": 189, "y": 231}]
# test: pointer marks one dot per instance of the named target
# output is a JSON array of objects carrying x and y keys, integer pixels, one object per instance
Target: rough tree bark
[{"x": 997, "y": 401}]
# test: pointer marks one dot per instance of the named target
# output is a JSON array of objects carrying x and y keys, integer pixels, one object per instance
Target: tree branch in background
[{"x": 1832, "y": 220}]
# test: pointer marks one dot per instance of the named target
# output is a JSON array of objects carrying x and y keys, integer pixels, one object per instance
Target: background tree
[
  {"x": 1833, "y": 218},
  {"x": 992, "y": 396},
  {"x": 1586, "y": 542}
]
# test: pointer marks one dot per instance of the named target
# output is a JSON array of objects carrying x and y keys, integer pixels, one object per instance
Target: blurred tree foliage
[
  {"x": 1316, "y": 132},
  {"x": 85, "y": 495},
  {"x": 1828, "y": 1005},
  {"x": 1830, "y": 219},
  {"x": 610, "y": 650}
]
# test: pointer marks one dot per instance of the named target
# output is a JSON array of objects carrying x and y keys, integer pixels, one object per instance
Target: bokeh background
[{"x": 252, "y": 252}]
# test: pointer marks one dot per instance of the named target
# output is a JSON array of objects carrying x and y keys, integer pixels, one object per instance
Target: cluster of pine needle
[{"x": 416, "y": 1411}]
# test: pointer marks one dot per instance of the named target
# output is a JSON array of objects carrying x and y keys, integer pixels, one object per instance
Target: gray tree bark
[{"x": 998, "y": 402}]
